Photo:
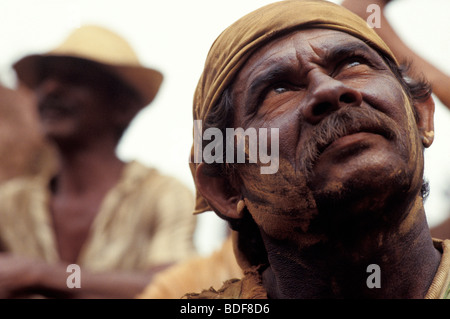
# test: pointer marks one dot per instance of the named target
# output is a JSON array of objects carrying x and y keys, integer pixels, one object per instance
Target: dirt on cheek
[{"x": 280, "y": 203}]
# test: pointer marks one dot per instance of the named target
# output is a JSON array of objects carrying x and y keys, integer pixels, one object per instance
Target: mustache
[{"x": 343, "y": 122}]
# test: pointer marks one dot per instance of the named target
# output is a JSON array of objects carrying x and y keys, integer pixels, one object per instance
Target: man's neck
[
  {"x": 387, "y": 265},
  {"x": 86, "y": 171}
]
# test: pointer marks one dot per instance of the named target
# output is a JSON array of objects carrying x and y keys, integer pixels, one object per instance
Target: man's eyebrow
[
  {"x": 272, "y": 72},
  {"x": 337, "y": 51}
]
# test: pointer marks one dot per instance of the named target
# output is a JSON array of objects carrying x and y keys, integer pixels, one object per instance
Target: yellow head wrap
[{"x": 235, "y": 45}]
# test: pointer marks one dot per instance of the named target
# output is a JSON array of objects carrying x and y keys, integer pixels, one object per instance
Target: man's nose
[
  {"x": 49, "y": 86},
  {"x": 326, "y": 95}
]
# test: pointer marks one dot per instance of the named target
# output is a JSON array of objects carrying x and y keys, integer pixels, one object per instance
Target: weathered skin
[{"x": 347, "y": 192}]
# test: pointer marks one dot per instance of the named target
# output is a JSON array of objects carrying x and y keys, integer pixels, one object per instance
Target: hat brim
[{"x": 145, "y": 81}]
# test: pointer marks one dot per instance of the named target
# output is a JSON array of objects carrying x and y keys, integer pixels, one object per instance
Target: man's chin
[{"x": 363, "y": 203}]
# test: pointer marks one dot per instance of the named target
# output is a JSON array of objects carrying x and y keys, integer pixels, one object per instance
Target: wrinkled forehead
[{"x": 320, "y": 45}]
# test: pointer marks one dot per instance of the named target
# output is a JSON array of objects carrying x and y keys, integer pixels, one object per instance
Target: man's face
[
  {"x": 348, "y": 136},
  {"x": 72, "y": 103}
]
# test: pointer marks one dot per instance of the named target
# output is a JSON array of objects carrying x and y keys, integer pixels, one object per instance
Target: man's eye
[
  {"x": 353, "y": 63},
  {"x": 280, "y": 88},
  {"x": 275, "y": 90}
]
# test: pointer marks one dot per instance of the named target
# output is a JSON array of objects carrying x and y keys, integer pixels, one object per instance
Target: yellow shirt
[
  {"x": 195, "y": 274},
  {"x": 145, "y": 220},
  {"x": 440, "y": 287}
]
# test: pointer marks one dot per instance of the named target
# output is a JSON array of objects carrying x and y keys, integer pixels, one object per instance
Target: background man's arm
[{"x": 22, "y": 277}]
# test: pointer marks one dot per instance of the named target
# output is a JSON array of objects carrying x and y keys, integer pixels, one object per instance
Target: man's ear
[
  {"x": 218, "y": 191},
  {"x": 425, "y": 122}
]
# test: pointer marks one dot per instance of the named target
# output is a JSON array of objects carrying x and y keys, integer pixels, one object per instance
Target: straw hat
[{"x": 100, "y": 45}]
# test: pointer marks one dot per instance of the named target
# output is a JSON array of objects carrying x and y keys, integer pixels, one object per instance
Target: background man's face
[
  {"x": 73, "y": 103},
  {"x": 347, "y": 133}
]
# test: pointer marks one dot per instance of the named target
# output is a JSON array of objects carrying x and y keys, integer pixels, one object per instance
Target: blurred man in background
[{"x": 118, "y": 223}]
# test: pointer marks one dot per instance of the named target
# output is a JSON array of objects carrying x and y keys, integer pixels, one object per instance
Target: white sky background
[{"x": 174, "y": 37}]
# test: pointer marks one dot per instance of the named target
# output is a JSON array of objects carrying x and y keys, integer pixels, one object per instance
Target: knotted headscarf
[{"x": 235, "y": 44}]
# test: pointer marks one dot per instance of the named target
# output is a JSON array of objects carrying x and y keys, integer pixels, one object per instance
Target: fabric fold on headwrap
[{"x": 235, "y": 44}]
